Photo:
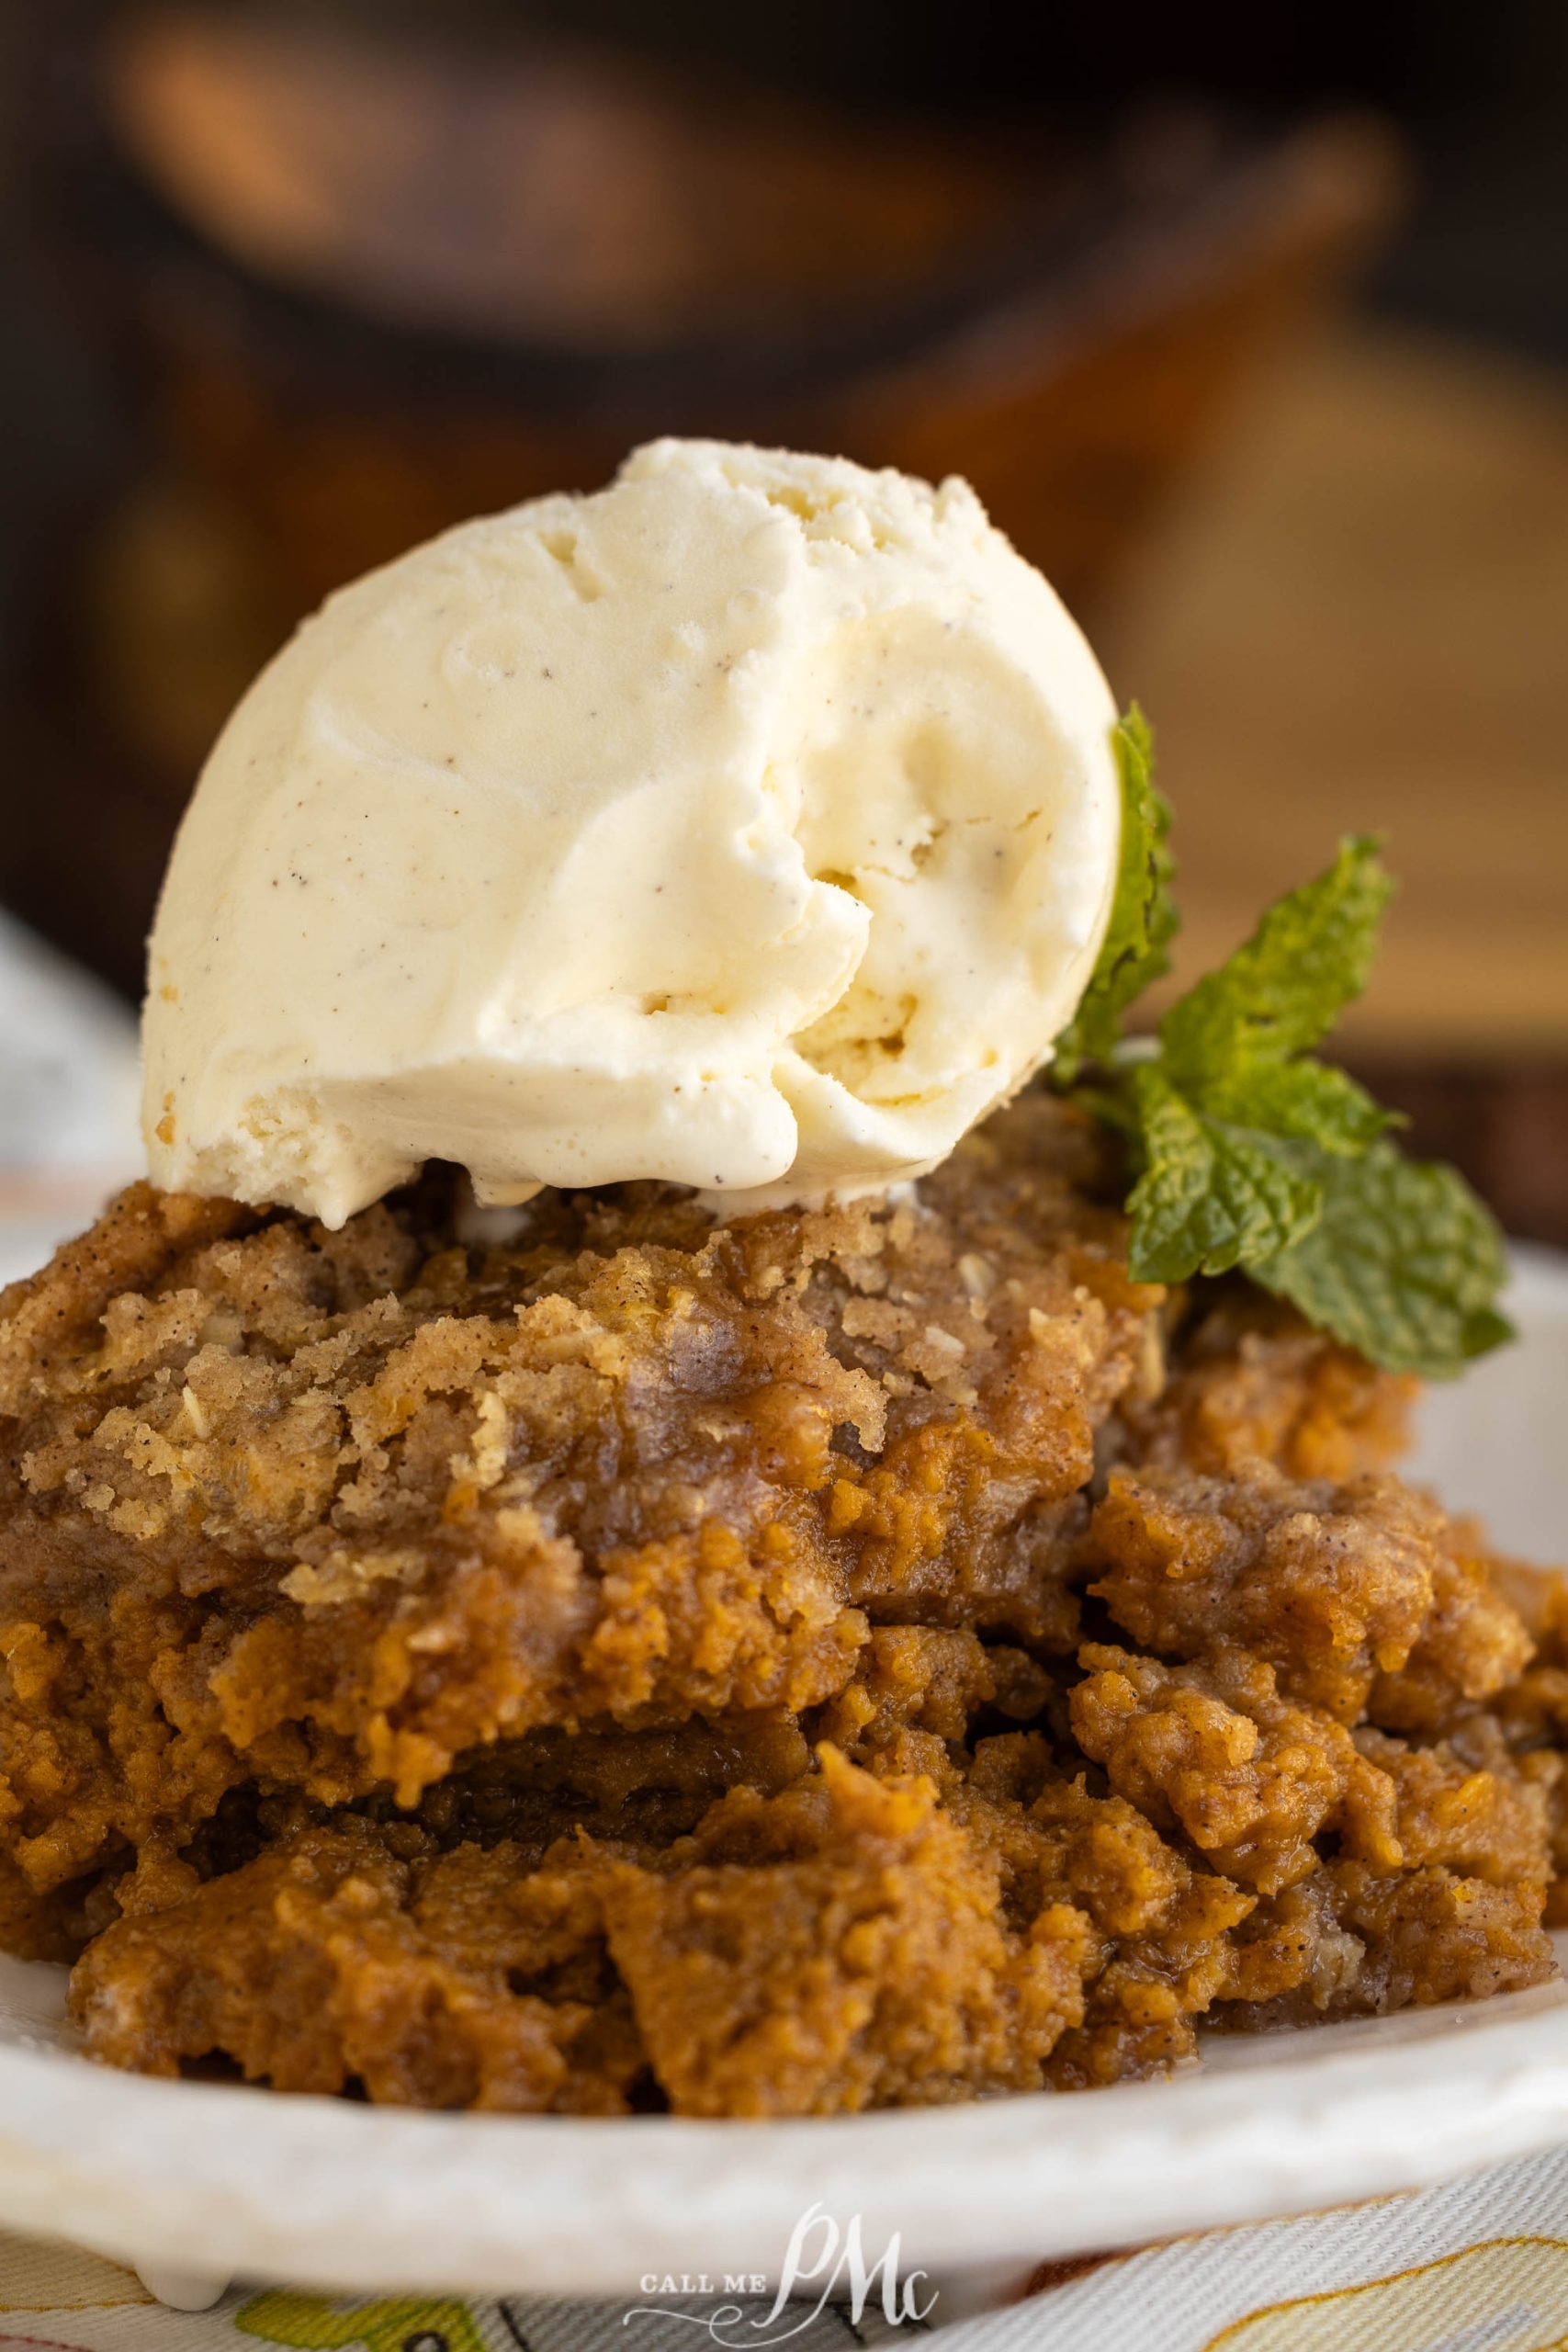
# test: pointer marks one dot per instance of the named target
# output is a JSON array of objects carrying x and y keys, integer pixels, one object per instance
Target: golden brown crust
[
  {"x": 1252, "y": 1382},
  {"x": 845, "y": 1657}
]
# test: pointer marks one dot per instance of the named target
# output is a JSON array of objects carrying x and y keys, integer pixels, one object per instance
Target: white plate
[{"x": 320, "y": 2193}]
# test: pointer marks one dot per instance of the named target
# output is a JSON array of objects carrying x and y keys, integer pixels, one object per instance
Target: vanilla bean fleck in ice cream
[{"x": 751, "y": 823}]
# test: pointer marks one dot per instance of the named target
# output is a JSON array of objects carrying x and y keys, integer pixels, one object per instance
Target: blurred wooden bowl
[{"x": 356, "y": 290}]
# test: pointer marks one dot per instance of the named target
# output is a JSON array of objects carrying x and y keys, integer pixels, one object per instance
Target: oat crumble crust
[{"x": 837, "y": 1659}]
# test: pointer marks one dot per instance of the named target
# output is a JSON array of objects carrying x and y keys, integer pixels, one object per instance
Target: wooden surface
[{"x": 1359, "y": 618}]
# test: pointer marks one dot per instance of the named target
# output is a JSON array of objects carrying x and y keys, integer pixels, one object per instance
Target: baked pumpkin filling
[{"x": 827, "y": 1659}]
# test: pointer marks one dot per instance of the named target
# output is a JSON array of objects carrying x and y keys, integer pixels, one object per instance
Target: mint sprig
[
  {"x": 1211, "y": 1196},
  {"x": 1404, "y": 1262},
  {"x": 1246, "y": 1151},
  {"x": 1144, "y": 918}
]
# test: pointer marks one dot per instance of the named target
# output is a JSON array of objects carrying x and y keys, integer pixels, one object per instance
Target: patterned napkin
[{"x": 1478, "y": 2266}]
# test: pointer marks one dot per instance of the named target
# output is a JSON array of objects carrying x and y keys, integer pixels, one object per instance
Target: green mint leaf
[
  {"x": 1247, "y": 1152},
  {"x": 1404, "y": 1263},
  {"x": 1209, "y": 1197},
  {"x": 1285, "y": 988},
  {"x": 1143, "y": 919},
  {"x": 1308, "y": 1100}
]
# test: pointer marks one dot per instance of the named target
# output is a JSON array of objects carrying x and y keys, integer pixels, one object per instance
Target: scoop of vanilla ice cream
[{"x": 751, "y": 823}]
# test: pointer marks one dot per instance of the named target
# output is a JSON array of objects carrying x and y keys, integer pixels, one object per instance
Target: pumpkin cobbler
[{"x": 599, "y": 1658}]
